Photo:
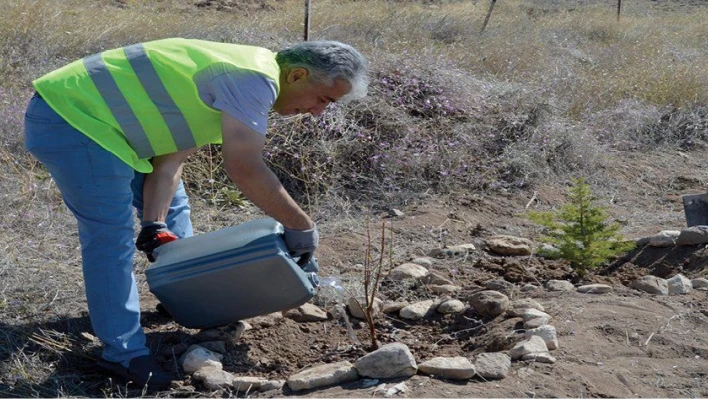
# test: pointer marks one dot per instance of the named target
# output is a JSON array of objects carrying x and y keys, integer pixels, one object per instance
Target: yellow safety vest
[{"x": 141, "y": 101}]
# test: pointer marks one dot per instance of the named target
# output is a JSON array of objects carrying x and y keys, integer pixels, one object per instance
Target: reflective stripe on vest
[
  {"x": 155, "y": 89},
  {"x": 142, "y": 101}
]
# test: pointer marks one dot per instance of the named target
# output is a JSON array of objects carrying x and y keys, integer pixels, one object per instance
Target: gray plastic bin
[{"x": 216, "y": 278}]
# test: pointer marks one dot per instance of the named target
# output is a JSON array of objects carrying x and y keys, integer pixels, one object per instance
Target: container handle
[{"x": 304, "y": 259}]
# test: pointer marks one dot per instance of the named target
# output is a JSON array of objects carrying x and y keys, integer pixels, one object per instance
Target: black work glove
[
  {"x": 301, "y": 243},
  {"x": 152, "y": 235}
]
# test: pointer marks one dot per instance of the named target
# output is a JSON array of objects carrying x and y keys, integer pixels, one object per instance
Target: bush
[{"x": 581, "y": 231}]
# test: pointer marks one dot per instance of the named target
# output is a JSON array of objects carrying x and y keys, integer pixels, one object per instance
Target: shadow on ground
[{"x": 66, "y": 344}]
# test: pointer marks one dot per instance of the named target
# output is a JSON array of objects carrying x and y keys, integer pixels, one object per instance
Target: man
[{"x": 114, "y": 129}]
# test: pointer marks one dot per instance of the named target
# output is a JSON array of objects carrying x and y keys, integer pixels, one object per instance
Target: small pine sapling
[{"x": 582, "y": 231}]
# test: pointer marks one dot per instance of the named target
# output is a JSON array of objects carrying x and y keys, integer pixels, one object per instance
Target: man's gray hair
[{"x": 327, "y": 61}]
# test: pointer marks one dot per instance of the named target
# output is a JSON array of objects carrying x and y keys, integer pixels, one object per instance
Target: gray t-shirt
[{"x": 244, "y": 94}]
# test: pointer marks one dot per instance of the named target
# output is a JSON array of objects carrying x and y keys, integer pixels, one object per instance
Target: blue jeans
[{"x": 101, "y": 191}]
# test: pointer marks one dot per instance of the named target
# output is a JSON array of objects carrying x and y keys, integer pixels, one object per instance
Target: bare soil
[
  {"x": 621, "y": 344},
  {"x": 625, "y": 343}
]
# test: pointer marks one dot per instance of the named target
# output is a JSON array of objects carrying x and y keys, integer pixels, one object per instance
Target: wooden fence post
[
  {"x": 489, "y": 14},
  {"x": 307, "y": 20}
]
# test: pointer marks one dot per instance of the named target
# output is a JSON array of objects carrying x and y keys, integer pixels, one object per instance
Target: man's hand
[
  {"x": 301, "y": 242},
  {"x": 152, "y": 235}
]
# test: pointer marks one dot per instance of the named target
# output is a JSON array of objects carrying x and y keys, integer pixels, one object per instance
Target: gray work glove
[{"x": 301, "y": 243}]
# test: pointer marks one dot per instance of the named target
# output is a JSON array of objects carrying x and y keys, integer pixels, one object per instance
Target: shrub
[{"x": 581, "y": 230}]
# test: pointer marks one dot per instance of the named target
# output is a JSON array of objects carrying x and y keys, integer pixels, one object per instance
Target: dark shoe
[{"x": 142, "y": 371}]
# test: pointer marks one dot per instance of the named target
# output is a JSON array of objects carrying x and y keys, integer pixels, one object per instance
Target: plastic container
[{"x": 213, "y": 279}]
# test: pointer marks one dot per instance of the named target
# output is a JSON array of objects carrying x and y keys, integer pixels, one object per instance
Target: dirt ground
[{"x": 622, "y": 344}]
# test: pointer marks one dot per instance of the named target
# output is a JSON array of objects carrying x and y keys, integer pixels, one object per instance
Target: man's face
[{"x": 299, "y": 95}]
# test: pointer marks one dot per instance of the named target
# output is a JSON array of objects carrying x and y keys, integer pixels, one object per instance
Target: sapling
[
  {"x": 582, "y": 231},
  {"x": 374, "y": 272}
]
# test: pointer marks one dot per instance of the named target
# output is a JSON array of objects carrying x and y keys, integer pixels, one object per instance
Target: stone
[
  {"x": 509, "y": 245},
  {"x": 500, "y": 285},
  {"x": 88, "y": 337},
  {"x": 543, "y": 357},
  {"x": 247, "y": 384},
  {"x": 651, "y": 284},
  {"x": 453, "y": 306},
  {"x": 323, "y": 375},
  {"x": 197, "y": 357},
  {"x": 401, "y": 387},
  {"x": 393, "y": 307},
  {"x": 695, "y": 235},
  {"x": 560, "y": 285},
  {"x": 492, "y": 366},
  {"x": 393, "y": 212},
  {"x": 519, "y": 306},
  {"x": 529, "y": 288},
  {"x": 214, "y": 378},
  {"x": 489, "y": 303},
  {"x": 534, "y": 318},
  {"x": 407, "y": 271},
  {"x": 451, "y": 368},
  {"x": 271, "y": 385},
  {"x": 532, "y": 345},
  {"x": 390, "y": 361},
  {"x": 595, "y": 289},
  {"x": 535, "y": 323},
  {"x": 418, "y": 310},
  {"x": 547, "y": 332},
  {"x": 679, "y": 285},
  {"x": 664, "y": 239},
  {"x": 424, "y": 261},
  {"x": 356, "y": 311},
  {"x": 700, "y": 282},
  {"x": 306, "y": 313},
  {"x": 434, "y": 278}
]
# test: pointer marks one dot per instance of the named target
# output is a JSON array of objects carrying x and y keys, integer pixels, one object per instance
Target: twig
[
  {"x": 49, "y": 343},
  {"x": 646, "y": 343},
  {"x": 468, "y": 329},
  {"x": 52, "y": 301},
  {"x": 533, "y": 198}
]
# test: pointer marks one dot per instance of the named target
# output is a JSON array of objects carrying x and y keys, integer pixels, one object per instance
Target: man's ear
[{"x": 297, "y": 74}]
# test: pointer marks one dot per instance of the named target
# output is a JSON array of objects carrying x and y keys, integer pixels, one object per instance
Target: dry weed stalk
[{"x": 373, "y": 274}]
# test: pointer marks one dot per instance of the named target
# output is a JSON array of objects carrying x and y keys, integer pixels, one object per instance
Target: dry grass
[{"x": 548, "y": 91}]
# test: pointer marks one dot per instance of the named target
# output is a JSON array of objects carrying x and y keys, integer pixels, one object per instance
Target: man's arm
[
  {"x": 160, "y": 185},
  {"x": 243, "y": 160}
]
